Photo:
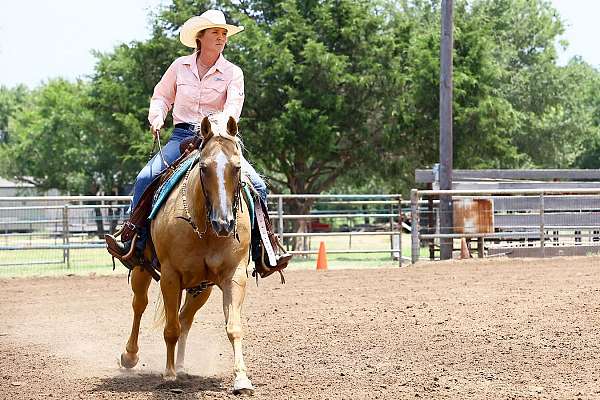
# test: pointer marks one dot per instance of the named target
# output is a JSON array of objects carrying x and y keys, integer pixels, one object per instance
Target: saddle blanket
[{"x": 163, "y": 191}]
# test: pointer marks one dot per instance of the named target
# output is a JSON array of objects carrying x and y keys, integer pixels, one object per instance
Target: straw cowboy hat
[{"x": 208, "y": 19}]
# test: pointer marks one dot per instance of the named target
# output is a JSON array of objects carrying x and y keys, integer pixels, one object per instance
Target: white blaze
[{"x": 221, "y": 160}]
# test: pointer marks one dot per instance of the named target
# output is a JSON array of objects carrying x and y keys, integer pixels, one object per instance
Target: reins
[
  {"x": 160, "y": 152},
  {"x": 188, "y": 217}
]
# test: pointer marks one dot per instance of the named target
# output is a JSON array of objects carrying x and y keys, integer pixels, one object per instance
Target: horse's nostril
[{"x": 221, "y": 227}]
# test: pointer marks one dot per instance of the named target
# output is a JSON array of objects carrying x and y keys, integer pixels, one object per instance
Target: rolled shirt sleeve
[
  {"x": 164, "y": 94},
  {"x": 235, "y": 95}
]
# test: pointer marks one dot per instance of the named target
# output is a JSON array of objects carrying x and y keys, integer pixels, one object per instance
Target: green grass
[{"x": 98, "y": 261}]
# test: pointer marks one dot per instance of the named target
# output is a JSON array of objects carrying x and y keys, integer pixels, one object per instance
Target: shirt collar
[{"x": 219, "y": 64}]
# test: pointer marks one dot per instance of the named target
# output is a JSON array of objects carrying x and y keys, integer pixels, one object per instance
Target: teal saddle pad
[{"x": 163, "y": 191}]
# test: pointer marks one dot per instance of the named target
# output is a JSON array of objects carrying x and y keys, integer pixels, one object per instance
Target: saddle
[{"x": 137, "y": 220}]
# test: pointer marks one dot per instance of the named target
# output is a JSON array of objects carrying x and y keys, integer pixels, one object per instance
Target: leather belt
[{"x": 186, "y": 126}]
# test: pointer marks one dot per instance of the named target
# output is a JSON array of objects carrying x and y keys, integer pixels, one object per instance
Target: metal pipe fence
[
  {"x": 519, "y": 223},
  {"x": 66, "y": 232}
]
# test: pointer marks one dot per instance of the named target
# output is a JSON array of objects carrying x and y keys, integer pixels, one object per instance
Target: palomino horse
[{"x": 194, "y": 256}]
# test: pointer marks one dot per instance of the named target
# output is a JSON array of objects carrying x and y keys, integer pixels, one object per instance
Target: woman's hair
[{"x": 198, "y": 36}]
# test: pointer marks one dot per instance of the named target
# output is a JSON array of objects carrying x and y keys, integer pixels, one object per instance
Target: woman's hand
[{"x": 156, "y": 125}]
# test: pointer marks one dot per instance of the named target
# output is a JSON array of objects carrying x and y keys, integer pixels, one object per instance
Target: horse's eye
[{"x": 203, "y": 168}]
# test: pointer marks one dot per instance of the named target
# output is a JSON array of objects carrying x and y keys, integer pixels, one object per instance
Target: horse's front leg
[
  {"x": 140, "y": 281},
  {"x": 186, "y": 318},
  {"x": 171, "y": 290},
  {"x": 234, "y": 291}
]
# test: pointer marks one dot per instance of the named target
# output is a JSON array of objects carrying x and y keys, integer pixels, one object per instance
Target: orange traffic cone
[
  {"x": 464, "y": 249},
  {"x": 322, "y": 258}
]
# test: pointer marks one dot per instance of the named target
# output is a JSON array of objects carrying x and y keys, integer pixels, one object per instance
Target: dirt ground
[{"x": 493, "y": 329}]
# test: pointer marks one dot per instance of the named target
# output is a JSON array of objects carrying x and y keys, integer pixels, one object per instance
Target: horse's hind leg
[
  {"x": 140, "y": 281},
  {"x": 186, "y": 318},
  {"x": 234, "y": 291}
]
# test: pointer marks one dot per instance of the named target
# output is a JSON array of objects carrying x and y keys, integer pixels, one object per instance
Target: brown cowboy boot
[
  {"x": 116, "y": 248},
  {"x": 124, "y": 249},
  {"x": 261, "y": 265}
]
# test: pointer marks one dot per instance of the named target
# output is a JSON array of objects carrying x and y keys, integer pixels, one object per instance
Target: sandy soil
[{"x": 493, "y": 329}]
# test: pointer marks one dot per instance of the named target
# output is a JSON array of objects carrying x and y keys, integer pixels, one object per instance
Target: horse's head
[{"x": 220, "y": 171}]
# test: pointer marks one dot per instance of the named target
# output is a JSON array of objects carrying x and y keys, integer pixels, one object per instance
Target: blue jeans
[{"x": 171, "y": 152}]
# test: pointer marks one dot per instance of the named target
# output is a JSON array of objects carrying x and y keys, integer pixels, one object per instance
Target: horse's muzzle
[{"x": 222, "y": 227}]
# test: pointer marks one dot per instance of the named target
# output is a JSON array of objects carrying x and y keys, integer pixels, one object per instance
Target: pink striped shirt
[{"x": 193, "y": 97}]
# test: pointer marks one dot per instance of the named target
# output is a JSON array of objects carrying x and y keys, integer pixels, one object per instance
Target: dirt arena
[{"x": 493, "y": 329}]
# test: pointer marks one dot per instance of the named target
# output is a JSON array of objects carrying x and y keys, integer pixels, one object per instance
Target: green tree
[
  {"x": 52, "y": 139},
  {"x": 337, "y": 93},
  {"x": 11, "y": 103},
  {"x": 318, "y": 90},
  {"x": 586, "y": 84}
]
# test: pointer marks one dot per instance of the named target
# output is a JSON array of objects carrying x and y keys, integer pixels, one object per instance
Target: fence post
[
  {"x": 542, "y": 225},
  {"x": 414, "y": 229},
  {"x": 390, "y": 211},
  {"x": 66, "y": 255},
  {"x": 400, "y": 231},
  {"x": 280, "y": 216}
]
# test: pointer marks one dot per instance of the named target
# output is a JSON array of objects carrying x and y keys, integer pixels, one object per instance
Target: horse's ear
[
  {"x": 232, "y": 127},
  {"x": 205, "y": 129}
]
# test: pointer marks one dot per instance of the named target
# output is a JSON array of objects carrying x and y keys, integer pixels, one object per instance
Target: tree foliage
[
  {"x": 339, "y": 94},
  {"x": 52, "y": 139}
]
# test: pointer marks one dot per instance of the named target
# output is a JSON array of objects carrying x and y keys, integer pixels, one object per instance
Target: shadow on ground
[{"x": 153, "y": 384}]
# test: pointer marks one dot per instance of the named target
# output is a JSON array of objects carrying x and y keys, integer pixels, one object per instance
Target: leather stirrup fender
[{"x": 264, "y": 234}]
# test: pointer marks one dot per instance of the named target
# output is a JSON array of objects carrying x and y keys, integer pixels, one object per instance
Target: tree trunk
[{"x": 300, "y": 207}]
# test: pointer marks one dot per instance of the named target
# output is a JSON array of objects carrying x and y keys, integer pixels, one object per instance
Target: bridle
[{"x": 208, "y": 204}]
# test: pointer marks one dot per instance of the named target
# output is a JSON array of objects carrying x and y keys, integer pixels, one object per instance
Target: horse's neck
[{"x": 195, "y": 197}]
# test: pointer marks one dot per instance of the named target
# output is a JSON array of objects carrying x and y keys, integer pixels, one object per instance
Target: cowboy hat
[{"x": 208, "y": 19}]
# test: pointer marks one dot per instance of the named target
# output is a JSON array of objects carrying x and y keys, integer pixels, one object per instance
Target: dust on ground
[{"x": 477, "y": 329}]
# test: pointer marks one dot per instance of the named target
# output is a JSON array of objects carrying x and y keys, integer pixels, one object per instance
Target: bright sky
[
  {"x": 582, "y": 29},
  {"x": 41, "y": 39}
]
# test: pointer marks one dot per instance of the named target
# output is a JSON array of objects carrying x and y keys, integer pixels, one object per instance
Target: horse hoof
[
  {"x": 169, "y": 376},
  {"x": 129, "y": 360},
  {"x": 243, "y": 386}
]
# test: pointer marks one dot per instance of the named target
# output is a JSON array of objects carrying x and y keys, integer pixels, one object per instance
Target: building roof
[{"x": 5, "y": 183}]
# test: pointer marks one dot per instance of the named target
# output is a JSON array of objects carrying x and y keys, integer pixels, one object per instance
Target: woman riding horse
[
  {"x": 194, "y": 86},
  {"x": 201, "y": 235}
]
